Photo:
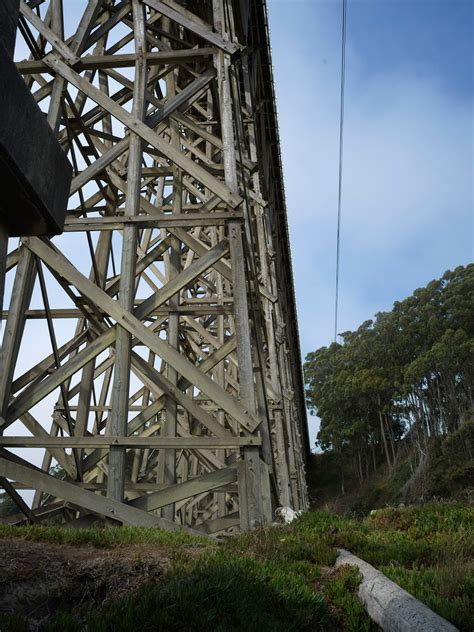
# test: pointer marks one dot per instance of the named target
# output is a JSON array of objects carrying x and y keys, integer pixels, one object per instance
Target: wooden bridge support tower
[{"x": 150, "y": 361}]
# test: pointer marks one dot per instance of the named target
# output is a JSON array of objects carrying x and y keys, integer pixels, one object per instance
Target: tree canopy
[{"x": 407, "y": 373}]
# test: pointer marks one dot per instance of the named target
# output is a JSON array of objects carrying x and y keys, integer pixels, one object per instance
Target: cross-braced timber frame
[{"x": 160, "y": 328}]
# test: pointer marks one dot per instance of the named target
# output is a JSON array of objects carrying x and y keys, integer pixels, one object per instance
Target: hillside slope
[
  {"x": 279, "y": 578},
  {"x": 445, "y": 470}
]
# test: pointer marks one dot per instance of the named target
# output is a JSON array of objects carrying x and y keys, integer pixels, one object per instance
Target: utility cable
[{"x": 341, "y": 153}]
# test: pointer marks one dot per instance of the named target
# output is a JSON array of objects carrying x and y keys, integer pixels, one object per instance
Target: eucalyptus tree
[{"x": 409, "y": 373}]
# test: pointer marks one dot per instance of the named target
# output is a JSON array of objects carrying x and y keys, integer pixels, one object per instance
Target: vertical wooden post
[
  {"x": 173, "y": 268},
  {"x": 119, "y": 413},
  {"x": 251, "y": 472}
]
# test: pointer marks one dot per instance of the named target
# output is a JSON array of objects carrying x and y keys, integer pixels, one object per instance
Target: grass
[
  {"x": 218, "y": 592},
  {"x": 270, "y": 579},
  {"x": 428, "y": 550},
  {"x": 282, "y": 578},
  {"x": 103, "y": 537},
  {"x": 247, "y": 584}
]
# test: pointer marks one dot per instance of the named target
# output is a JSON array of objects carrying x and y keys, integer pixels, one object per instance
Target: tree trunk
[
  {"x": 384, "y": 439},
  {"x": 361, "y": 473},
  {"x": 391, "y": 437}
]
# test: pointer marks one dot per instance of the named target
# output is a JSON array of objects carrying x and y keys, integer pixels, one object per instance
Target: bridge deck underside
[{"x": 150, "y": 360}]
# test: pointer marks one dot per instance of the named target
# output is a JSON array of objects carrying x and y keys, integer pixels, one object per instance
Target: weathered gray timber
[
  {"x": 391, "y": 607},
  {"x": 166, "y": 344}
]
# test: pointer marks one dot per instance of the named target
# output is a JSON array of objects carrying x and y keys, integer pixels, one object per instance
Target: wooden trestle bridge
[{"x": 150, "y": 361}]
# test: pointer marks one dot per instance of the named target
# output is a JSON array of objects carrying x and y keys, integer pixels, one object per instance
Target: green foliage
[
  {"x": 12, "y": 623},
  {"x": 447, "y": 590},
  {"x": 103, "y": 537},
  {"x": 221, "y": 592},
  {"x": 428, "y": 550},
  {"x": 268, "y": 579},
  {"x": 450, "y": 464},
  {"x": 446, "y": 471},
  {"x": 408, "y": 373},
  {"x": 284, "y": 545},
  {"x": 281, "y": 578},
  {"x": 342, "y": 592}
]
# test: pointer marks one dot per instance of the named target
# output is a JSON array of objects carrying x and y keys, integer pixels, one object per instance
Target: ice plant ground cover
[{"x": 278, "y": 578}]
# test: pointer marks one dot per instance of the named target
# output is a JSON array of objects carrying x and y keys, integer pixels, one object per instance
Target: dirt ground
[{"x": 38, "y": 579}]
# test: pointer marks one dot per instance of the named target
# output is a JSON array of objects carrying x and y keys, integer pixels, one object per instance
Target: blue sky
[{"x": 407, "y": 208}]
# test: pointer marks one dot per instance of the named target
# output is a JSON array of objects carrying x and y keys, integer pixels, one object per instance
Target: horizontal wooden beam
[
  {"x": 92, "y": 62},
  {"x": 220, "y": 524},
  {"x": 185, "y": 310},
  {"x": 196, "y": 486},
  {"x": 188, "y": 220},
  {"x": 232, "y": 488},
  {"x": 180, "y": 443}
]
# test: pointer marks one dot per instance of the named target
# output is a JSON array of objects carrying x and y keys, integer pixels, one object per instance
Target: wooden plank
[
  {"x": 17, "y": 499},
  {"x": 182, "y": 100},
  {"x": 142, "y": 264},
  {"x": 250, "y": 478},
  {"x": 121, "y": 10},
  {"x": 183, "y": 279},
  {"x": 38, "y": 371},
  {"x": 14, "y": 327},
  {"x": 174, "y": 493},
  {"x": 160, "y": 220},
  {"x": 214, "y": 140},
  {"x": 31, "y": 396},
  {"x": 117, "y": 425},
  {"x": 65, "y": 460},
  {"x": 217, "y": 525},
  {"x": 266, "y": 493},
  {"x": 74, "y": 313},
  {"x": 93, "y": 62},
  {"x": 200, "y": 249},
  {"x": 98, "y": 441}
]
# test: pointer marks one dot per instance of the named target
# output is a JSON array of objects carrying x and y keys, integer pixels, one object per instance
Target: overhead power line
[{"x": 341, "y": 153}]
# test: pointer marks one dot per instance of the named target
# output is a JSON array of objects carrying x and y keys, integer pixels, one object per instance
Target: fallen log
[{"x": 391, "y": 607}]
